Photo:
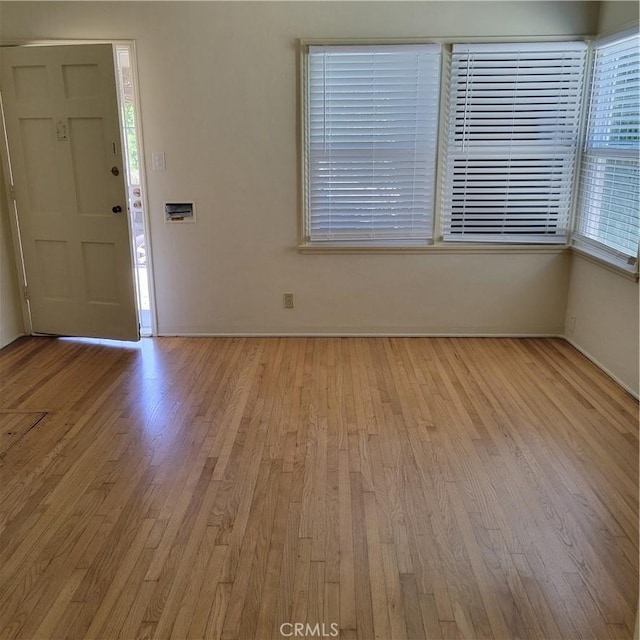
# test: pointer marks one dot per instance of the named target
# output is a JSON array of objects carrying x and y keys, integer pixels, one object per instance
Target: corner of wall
[
  {"x": 616, "y": 15},
  {"x": 602, "y": 320},
  {"x": 11, "y": 324}
]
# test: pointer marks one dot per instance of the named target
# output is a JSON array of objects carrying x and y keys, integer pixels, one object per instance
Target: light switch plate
[{"x": 157, "y": 161}]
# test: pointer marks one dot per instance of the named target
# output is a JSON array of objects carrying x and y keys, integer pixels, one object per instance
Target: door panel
[
  {"x": 64, "y": 139},
  {"x": 39, "y": 150},
  {"x": 87, "y": 142},
  {"x": 53, "y": 269}
]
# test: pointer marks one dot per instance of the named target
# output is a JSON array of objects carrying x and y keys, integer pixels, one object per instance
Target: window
[
  {"x": 510, "y": 145},
  {"x": 371, "y": 118},
  {"x": 607, "y": 219},
  {"x": 512, "y": 135}
]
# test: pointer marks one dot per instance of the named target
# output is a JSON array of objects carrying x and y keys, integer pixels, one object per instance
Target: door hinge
[{"x": 25, "y": 291}]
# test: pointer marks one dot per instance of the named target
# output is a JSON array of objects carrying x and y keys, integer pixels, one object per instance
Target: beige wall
[
  {"x": 605, "y": 303},
  {"x": 10, "y": 306},
  {"x": 218, "y": 90},
  {"x": 605, "y": 307},
  {"x": 616, "y": 15}
]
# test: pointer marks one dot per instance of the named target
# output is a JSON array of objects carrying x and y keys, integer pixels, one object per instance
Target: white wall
[
  {"x": 10, "y": 307},
  {"x": 218, "y": 90},
  {"x": 603, "y": 302}
]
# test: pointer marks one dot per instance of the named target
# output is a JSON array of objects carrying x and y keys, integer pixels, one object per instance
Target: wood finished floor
[{"x": 399, "y": 488}]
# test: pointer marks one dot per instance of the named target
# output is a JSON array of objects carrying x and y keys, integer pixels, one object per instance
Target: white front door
[{"x": 61, "y": 115}]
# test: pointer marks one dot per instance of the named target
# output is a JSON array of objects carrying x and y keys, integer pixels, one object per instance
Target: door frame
[{"x": 8, "y": 181}]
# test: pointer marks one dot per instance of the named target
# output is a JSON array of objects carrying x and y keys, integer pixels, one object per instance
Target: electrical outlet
[{"x": 287, "y": 300}]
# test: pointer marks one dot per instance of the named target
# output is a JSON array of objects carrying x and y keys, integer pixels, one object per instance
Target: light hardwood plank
[{"x": 399, "y": 488}]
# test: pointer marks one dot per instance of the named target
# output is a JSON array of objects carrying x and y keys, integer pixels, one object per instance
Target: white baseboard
[
  {"x": 358, "y": 334},
  {"x": 612, "y": 375}
]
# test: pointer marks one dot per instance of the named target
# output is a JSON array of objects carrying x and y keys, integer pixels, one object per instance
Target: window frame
[
  {"x": 305, "y": 244},
  {"x": 481, "y": 141},
  {"x": 580, "y": 244},
  {"x": 438, "y": 245}
]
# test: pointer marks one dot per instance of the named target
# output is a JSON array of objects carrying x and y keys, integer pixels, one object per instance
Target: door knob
[{"x": 116, "y": 209}]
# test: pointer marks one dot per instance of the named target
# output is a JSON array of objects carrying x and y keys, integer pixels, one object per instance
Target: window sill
[
  {"x": 439, "y": 248},
  {"x": 630, "y": 274}
]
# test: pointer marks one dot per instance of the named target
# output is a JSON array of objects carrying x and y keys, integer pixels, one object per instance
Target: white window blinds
[
  {"x": 511, "y": 142},
  {"x": 608, "y": 202},
  {"x": 371, "y": 130}
]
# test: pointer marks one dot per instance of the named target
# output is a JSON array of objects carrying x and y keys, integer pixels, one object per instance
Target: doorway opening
[
  {"x": 76, "y": 255},
  {"x": 132, "y": 151}
]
